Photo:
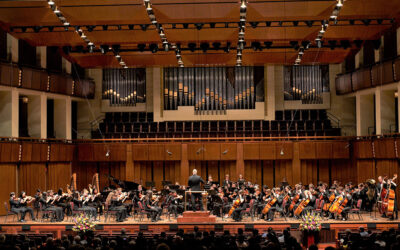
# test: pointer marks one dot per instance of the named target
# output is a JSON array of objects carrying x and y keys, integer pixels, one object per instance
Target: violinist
[
  {"x": 46, "y": 201},
  {"x": 237, "y": 212},
  {"x": 62, "y": 201},
  {"x": 114, "y": 204},
  {"x": 175, "y": 205},
  {"x": 15, "y": 206},
  {"x": 24, "y": 201},
  {"x": 89, "y": 210},
  {"x": 149, "y": 206}
]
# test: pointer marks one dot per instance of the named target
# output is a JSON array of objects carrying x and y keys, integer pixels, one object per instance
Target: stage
[{"x": 329, "y": 232}]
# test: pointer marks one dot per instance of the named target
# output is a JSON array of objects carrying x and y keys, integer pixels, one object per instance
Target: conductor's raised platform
[{"x": 196, "y": 217}]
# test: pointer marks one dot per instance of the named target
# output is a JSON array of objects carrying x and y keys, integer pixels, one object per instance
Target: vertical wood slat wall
[{"x": 28, "y": 166}]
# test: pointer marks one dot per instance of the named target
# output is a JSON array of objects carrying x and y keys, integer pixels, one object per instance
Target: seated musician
[
  {"x": 175, "y": 205},
  {"x": 237, "y": 213},
  {"x": 347, "y": 207},
  {"x": 89, "y": 210},
  {"x": 123, "y": 197},
  {"x": 277, "y": 206},
  {"x": 258, "y": 200},
  {"x": 150, "y": 206},
  {"x": 227, "y": 182},
  {"x": 311, "y": 195},
  {"x": 62, "y": 201},
  {"x": 24, "y": 201},
  {"x": 15, "y": 207},
  {"x": 114, "y": 204},
  {"x": 96, "y": 201},
  {"x": 47, "y": 205},
  {"x": 289, "y": 193}
]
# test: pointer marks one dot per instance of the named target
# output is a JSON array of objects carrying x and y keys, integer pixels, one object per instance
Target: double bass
[{"x": 388, "y": 200}]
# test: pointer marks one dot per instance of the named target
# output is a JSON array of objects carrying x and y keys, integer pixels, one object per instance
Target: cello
[
  {"x": 388, "y": 201},
  {"x": 294, "y": 202},
  {"x": 235, "y": 205},
  {"x": 336, "y": 204},
  {"x": 328, "y": 205},
  {"x": 269, "y": 205},
  {"x": 301, "y": 207}
]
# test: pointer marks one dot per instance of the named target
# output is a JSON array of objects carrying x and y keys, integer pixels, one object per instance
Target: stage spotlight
[
  {"x": 166, "y": 47},
  {"x": 268, "y": 44},
  {"x": 268, "y": 23},
  {"x": 23, "y": 29},
  {"x": 295, "y": 23},
  {"x": 332, "y": 44},
  {"x": 90, "y": 28},
  {"x": 301, "y": 51},
  {"x": 366, "y": 21},
  {"x": 192, "y": 47},
  {"x": 379, "y": 21},
  {"x": 90, "y": 47},
  {"x": 345, "y": 44},
  {"x": 66, "y": 49},
  {"x": 377, "y": 43},
  {"x": 256, "y": 46},
  {"x": 50, "y": 2},
  {"x": 227, "y": 47},
  {"x": 185, "y": 25},
  {"x": 105, "y": 27},
  {"x": 241, "y": 32},
  {"x": 309, "y": 23},
  {"x": 241, "y": 44},
  {"x": 351, "y": 22},
  {"x": 104, "y": 49},
  {"x": 37, "y": 28},
  {"x": 199, "y": 26},
  {"x": 254, "y": 24},
  {"x": 216, "y": 45},
  {"x": 212, "y": 25},
  {"x": 319, "y": 43},
  {"x": 116, "y": 48},
  {"x": 306, "y": 44},
  {"x": 141, "y": 47},
  {"x": 204, "y": 47},
  {"x": 339, "y": 3},
  {"x": 153, "y": 47},
  {"x": 358, "y": 43},
  {"x": 79, "y": 48},
  {"x": 243, "y": 4},
  {"x": 144, "y": 27}
]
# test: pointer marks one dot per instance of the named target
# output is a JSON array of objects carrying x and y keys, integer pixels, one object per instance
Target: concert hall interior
[{"x": 252, "y": 123}]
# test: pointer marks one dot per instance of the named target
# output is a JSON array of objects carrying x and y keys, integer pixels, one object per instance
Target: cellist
[
  {"x": 237, "y": 212},
  {"x": 277, "y": 206}
]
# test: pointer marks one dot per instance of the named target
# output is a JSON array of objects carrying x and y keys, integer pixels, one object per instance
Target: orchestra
[{"x": 228, "y": 200}]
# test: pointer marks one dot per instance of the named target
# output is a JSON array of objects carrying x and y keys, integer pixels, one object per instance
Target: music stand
[{"x": 166, "y": 183}]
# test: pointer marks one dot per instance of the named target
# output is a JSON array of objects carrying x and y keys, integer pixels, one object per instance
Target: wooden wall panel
[
  {"x": 26, "y": 152},
  {"x": 195, "y": 151},
  {"x": 117, "y": 169},
  {"x": 156, "y": 152},
  {"x": 309, "y": 172},
  {"x": 268, "y": 173},
  {"x": 286, "y": 148},
  {"x": 85, "y": 152},
  {"x": 143, "y": 172},
  {"x": 140, "y": 152},
  {"x": 267, "y": 151},
  {"x": 32, "y": 176},
  {"x": 324, "y": 171},
  {"x": 365, "y": 170},
  {"x": 213, "y": 170},
  {"x": 251, "y": 151},
  {"x": 172, "y": 171},
  {"x": 173, "y": 152},
  {"x": 227, "y": 168},
  {"x": 252, "y": 171},
  {"x": 340, "y": 150},
  {"x": 62, "y": 152},
  {"x": 9, "y": 152},
  {"x": 228, "y": 151},
  {"x": 212, "y": 151},
  {"x": 84, "y": 173},
  {"x": 384, "y": 149},
  {"x": 363, "y": 149},
  {"x": 323, "y": 150},
  {"x": 307, "y": 150},
  {"x": 283, "y": 170},
  {"x": 158, "y": 174},
  {"x": 8, "y": 183},
  {"x": 58, "y": 176}
]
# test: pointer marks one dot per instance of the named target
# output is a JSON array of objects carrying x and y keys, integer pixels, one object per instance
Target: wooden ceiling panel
[
  {"x": 194, "y": 35},
  {"x": 354, "y": 32},
  {"x": 51, "y": 38},
  {"x": 124, "y": 37},
  {"x": 28, "y": 16},
  {"x": 281, "y": 33},
  {"x": 370, "y": 9}
]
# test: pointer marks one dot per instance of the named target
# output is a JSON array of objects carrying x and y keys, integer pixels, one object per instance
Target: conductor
[{"x": 194, "y": 185}]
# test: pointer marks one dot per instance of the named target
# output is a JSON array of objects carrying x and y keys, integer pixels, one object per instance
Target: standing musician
[
  {"x": 47, "y": 205},
  {"x": 241, "y": 181},
  {"x": 227, "y": 182},
  {"x": 194, "y": 185},
  {"x": 390, "y": 189}
]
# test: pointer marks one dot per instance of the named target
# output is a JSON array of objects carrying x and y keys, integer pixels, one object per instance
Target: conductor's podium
[{"x": 196, "y": 217}]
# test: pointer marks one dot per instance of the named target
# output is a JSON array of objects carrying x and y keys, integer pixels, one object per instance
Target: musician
[
  {"x": 151, "y": 207},
  {"x": 47, "y": 205},
  {"x": 89, "y": 210},
  {"x": 392, "y": 185},
  {"x": 227, "y": 182},
  {"x": 345, "y": 211},
  {"x": 237, "y": 213},
  {"x": 277, "y": 206},
  {"x": 16, "y": 207},
  {"x": 114, "y": 204},
  {"x": 63, "y": 202},
  {"x": 24, "y": 201},
  {"x": 241, "y": 181},
  {"x": 194, "y": 185},
  {"x": 175, "y": 205}
]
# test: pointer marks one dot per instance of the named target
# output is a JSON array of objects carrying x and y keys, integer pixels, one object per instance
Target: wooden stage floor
[{"x": 132, "y": 225}]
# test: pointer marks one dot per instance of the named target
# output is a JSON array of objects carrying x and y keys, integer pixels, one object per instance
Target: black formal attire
[
  {"x": 58, "y": 211},
  {"x": 155, "y": 212},
  {"x": 15, "y": 206},
  {"x": 237, "y": 213},
  {"x": 276, "y": 207},
  {"x": 121, "y": 210},
  {"x": 226, "y": 183},
  {"x": 64, "y": 204},
  {"x": 194, "y": 184},
  {"x": 27, "y": 209}
]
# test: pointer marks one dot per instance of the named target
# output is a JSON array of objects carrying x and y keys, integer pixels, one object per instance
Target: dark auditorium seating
[{"x": 287, "y": 123}]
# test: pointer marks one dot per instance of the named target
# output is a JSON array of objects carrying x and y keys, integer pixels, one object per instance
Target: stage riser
[{"x": 327, "y": 234}]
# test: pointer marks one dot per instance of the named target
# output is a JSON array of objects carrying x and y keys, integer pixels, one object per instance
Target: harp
[
  {"x": 72, "y": 184},
  {"x": 95, "y": 182}
]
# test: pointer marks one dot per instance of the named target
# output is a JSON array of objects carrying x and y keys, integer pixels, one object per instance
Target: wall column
[
  {"x": 43, "y": 116},
  {"x": 62, "y": 118},
  {"x": 184, "y": 166},
  {"x": 239, "y": 160},
  {"x": 364, "y": 113},
  {"x": 12, "y": 47},
  {"x": 5, "y": 113},
  {"x": 14, "y": 113},
  {"x": 157, "y": 104},
  {"x": 387, "y": 111}
]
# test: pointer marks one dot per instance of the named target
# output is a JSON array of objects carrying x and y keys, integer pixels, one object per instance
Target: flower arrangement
[
  {"x": 310, "y": 222},
  {"x": 83, "y": 224}
]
